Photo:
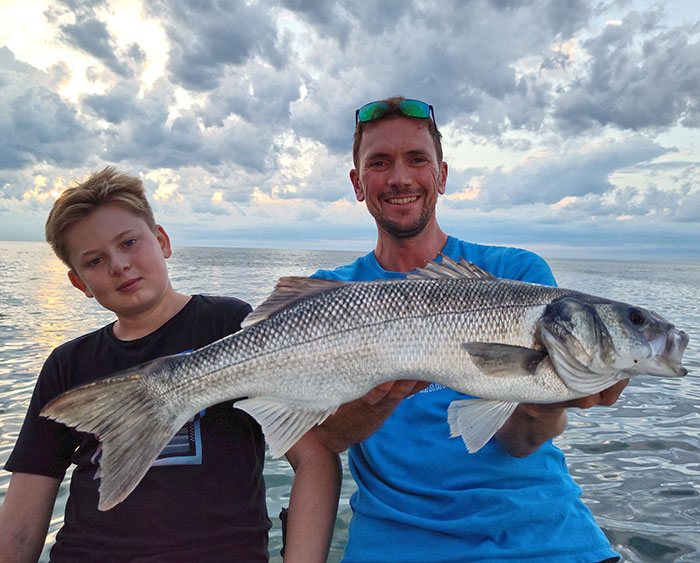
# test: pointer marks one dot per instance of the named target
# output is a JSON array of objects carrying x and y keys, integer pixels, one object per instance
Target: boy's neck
[{"x": 133, "y": 327}]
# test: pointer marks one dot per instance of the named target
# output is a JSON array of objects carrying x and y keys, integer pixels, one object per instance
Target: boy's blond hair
[{"x": 82, "y": 199}]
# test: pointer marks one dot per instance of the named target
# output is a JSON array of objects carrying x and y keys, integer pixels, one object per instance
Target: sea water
[{"x": 638, "y": 461}]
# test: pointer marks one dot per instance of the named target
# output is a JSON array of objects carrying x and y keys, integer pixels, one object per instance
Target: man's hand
[
  {"x": 393, "y": 391},
  {"x": 531, "y": 425},
  {"x": 359, "y": 419}
]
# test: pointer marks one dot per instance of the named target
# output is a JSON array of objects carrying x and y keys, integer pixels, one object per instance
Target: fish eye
[{"x": 636, "y": 316}]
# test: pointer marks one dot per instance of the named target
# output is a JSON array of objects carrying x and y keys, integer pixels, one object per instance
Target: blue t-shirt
[{"x": 422, "y": 497}]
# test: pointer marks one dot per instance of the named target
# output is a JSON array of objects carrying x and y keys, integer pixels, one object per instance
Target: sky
[{"x": 570, "y": 128}]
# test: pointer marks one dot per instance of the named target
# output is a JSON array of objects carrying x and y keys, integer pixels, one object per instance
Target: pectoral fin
[
  {"x": 501, "y": 360},
  {"x": 283, "y": 423},
  {"x": 477, "y": 420}
]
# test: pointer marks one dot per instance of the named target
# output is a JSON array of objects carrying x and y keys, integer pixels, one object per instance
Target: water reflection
[{"x": 637, "y": 461}]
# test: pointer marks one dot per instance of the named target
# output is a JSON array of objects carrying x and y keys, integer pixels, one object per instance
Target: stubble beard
[{"x": 399, "y": 231}]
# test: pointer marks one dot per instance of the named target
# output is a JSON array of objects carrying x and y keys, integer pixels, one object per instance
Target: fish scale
[{"x": 316, "y": 344}]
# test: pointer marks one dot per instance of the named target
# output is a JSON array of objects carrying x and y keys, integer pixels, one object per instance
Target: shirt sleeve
[{"x": 44, "y": 447}]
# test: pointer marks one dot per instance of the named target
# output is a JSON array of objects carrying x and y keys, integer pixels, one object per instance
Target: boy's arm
[
  {"x": 313, "y": 503},
  {"x": 25, "y": 515}
]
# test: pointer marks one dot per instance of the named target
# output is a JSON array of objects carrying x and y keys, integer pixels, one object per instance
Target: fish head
[{"x": 594, "y": 342}]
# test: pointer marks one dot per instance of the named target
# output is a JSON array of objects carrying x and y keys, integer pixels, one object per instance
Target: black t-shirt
[{"x": 204, "y": 498}]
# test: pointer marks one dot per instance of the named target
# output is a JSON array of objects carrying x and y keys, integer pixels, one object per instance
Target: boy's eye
[
  {"x": 130, "y": 242},
  {"x": 94, "y": 262}
]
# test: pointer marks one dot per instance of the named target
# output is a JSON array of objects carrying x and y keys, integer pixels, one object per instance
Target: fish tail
[{"x": 131, "y": 420}]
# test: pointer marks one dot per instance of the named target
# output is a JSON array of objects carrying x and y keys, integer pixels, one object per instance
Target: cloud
[
  {"x": 36, "y": 124},
  {"x": 205, "y": 38},
  {"x": 549, "y": 179},
  {"x": 634, "y": 80},
  {"x": 241, "y": 114}
]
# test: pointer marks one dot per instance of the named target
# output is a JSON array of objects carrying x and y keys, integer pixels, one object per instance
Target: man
[{"x": 421, "y": 496}]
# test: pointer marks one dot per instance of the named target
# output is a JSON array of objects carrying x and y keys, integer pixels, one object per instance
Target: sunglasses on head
[{"x": 409, "y": 108}]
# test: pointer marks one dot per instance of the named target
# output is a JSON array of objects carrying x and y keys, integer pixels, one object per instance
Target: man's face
[
  {"x": 119, "y": 260},
  {"x": 398, "y": 176}
]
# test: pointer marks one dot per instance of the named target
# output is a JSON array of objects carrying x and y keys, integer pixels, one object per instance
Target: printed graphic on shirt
[
  {"x": 433, "y": 387},
  {"x": 185, "y": 448}
]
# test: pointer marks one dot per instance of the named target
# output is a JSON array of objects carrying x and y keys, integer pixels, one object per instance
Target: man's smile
[{"x": 402, "y": 200}]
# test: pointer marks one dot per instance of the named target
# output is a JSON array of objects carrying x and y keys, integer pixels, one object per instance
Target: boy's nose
[{"x": 119, "y": 264}]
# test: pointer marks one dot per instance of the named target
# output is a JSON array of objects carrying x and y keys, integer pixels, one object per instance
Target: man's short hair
[
  {"x": 82, "y": 199},
  {"x": 393, "y": 112}
]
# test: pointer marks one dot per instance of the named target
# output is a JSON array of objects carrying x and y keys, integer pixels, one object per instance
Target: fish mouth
[{"x": 668, "y": 353}]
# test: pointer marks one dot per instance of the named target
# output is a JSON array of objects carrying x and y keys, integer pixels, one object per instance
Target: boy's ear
[
  {"x": 164, "y": 241},
  {"x": 78, "y": 283}
]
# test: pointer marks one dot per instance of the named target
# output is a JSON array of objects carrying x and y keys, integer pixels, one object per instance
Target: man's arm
[
  {"x": 532, "y": 425},
  {"x": 359, "y": 419},
  {"x": 313, "y": 503},
  {"x": 25, "y": 515}
]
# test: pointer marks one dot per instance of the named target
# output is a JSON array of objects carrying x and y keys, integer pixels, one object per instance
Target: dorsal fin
[
  {"x": 448, "y": 268},
  {"x": 289, "y": 290}
]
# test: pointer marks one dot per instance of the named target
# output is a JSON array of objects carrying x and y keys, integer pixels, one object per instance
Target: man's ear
[
  {"x": 442, "y": 178},
  {"x": 78, "y": 283},
  {"x": 357, "y": 186},
  {"x": 164, "y": 241}
]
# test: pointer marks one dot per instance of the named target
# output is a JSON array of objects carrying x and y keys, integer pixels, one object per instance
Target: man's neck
[{"x": 404, "y": 255}]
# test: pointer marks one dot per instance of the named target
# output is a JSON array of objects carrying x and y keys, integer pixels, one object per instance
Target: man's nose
[{"x": 400, "y": 174}]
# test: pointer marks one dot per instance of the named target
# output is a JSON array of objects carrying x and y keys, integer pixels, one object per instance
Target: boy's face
[{"x": 119, "y": 260}]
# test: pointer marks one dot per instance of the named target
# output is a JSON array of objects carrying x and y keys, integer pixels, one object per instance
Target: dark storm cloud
[
  {"x": 151, "y": 138},
  {"x": 36, "y": 124},
  {"x": 93, "y": 37},
  {"x": 463, "y": 58},
  {"x": 634, "y": 80},
  {"x": 205, "y": 37},
  {"x": 118, "y": 104},
  {"x": 49, "y": 129}
]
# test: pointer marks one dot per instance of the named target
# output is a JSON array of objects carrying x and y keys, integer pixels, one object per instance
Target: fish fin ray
[
  {"x": 477, "y": 420},
  {"x": 289, "y": 290},
  {"x": 503, "y": 360},
  {"x": 449, "y": 268},
  {"x": 132, "y": 429},
  {"x": 283, "y": 422}
]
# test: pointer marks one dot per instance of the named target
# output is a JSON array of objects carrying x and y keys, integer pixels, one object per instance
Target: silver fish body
[{"x": 316, "y": 344}]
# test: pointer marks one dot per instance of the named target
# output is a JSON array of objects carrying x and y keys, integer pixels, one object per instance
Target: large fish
[{"x": 316, "y": 344}]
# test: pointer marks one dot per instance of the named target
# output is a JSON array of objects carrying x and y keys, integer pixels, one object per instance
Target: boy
[{"x": 204, "y": 499}]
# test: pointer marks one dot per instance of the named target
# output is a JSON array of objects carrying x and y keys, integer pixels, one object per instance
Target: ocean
[{"x": 638, "y": 461}]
